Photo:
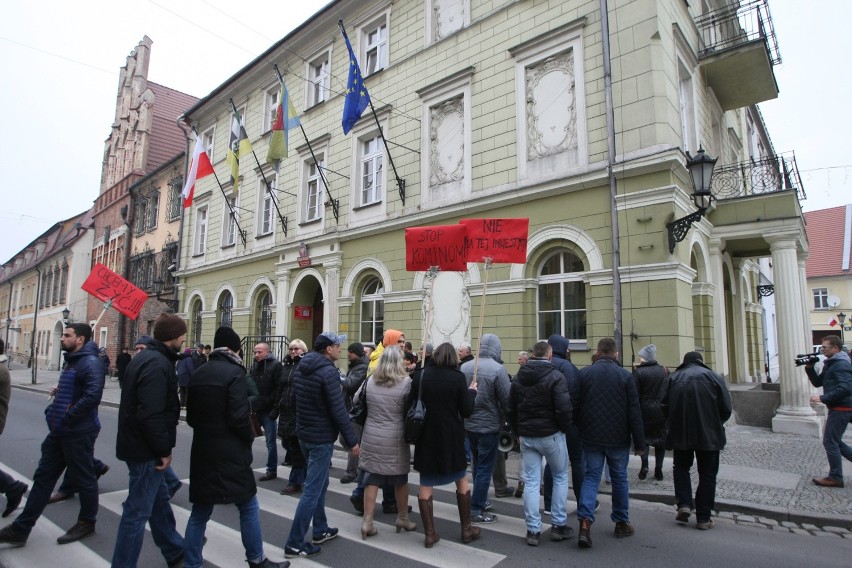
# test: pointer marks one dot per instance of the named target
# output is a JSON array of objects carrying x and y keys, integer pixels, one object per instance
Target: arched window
[
  {"x": 562, "y": 296},
  {"x": 196, "y": 322},
  {"x": 226, "y": 307},
  {"x": 264, "y": 315},
  {"x": 372, "y": 310}
]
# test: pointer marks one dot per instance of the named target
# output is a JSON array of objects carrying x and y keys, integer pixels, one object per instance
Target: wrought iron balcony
[
  {"x": 778, "y": 173},
  {"x": 738, "y": 51},
  {"x": 736, "y": 24}
]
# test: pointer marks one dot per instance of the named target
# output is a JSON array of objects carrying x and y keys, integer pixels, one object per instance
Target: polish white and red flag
[{"x": 199, "y": 168}]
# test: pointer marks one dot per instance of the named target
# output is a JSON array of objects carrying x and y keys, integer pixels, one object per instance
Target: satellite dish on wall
[{"x": 833, "y": 301}]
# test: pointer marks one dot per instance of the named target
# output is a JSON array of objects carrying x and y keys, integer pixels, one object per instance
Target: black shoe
[
  {"x": 13, "y": 498},
  {"x": 267, "y": 563},
  {"x": 10, "y": 535},
  {"x": 103, "y": 471},
  {"x": 390, "y": 509},
  {"x": 658, "y": 475},
  {"x": 291, "y": 490},
  {"x": 347, "y": 479},
  {"x": 176, "y": 563},
  {"x": 305, "y": 551},
  {"x": 507, "y": 492},
  {"x": 533, "y": 538},
  {"x": 80, "y": 530},
  {"x": 358, "y": 502},
  {"x": 268, "y": 476},
  {"x": 643, "y": 473},
  {"x": 561, "y": 532}
]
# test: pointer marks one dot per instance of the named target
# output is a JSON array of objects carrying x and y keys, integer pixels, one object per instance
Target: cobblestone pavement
[{"x": 764, "y": 478}]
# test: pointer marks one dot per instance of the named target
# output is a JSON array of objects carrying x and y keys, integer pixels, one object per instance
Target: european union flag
[{"x": 357, "y": 97}]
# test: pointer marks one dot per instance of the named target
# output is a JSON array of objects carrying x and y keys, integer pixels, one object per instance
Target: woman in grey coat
[{"x": 385, "y": 456}]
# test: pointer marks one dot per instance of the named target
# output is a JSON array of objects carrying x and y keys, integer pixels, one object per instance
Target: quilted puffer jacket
[
  {"x": 320, "y": 412},
  {"x": 74, "y": 409},
  {"x": 608, "y": 405}
]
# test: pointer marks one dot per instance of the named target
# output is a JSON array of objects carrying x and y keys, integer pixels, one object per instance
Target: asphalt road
[{"x": 659, "y": 540}]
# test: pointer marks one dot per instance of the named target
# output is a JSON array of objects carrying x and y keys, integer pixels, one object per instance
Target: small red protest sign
[
  {"x": 501, "y": 240},
  {"x": 439, "y": 245},
  {"x": 106, "y": 285},
  {"x": 302, "y": 312}
]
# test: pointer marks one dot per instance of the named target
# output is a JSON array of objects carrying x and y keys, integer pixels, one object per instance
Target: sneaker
[
  {"x": 13, "y": 498},
  {"x": 489, "y": 506},
  {"x": 683, "y": 514},
  {"x": 546, "y": 511},
  {"x": 705, "y": 525},
  {"x": 305, "y": 551},
  {"x": 325, "y": 535},
  {"x": 81, "y": 529},
  {"x": 533, "y": 538},
  {"x": 10, "y": 535},
  {"x": 483, "y": 519},
  {"x": 561, "y": 532}
]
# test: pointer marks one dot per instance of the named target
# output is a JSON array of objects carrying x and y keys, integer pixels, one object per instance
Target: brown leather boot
[
  {"x": 468, "y": 531},
  {"x": 585, "y": 538},
  {"x": 428, "y": 522}
]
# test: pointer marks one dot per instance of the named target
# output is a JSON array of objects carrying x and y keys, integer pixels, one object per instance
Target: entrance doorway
[{"x": 307, "y": 314}]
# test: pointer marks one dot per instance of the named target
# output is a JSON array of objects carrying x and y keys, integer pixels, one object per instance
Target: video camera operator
[{"x": 836, "y": 382}]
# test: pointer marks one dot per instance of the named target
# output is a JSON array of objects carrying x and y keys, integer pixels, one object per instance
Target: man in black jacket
[
  {"x": 697, "y": 404},
  {"x": 540, "y": 413},
  {"x": 147, "y": 423},
  {"x": 266, "y": 372},
  {"x": 608, "y": 415},
  {"x": 358, "y": 363}
]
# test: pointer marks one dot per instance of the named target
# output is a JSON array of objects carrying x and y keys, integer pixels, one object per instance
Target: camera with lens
[{"x": 806, "y": 359}]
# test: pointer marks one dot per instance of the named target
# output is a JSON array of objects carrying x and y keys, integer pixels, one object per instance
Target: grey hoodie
[{"x": 492, "y": 394}]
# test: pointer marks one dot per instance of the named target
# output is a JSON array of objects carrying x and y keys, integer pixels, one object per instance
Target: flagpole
[
  {"x": 400, "y": 183},
  {"x": 486, "y": 266},
  {"x": 231, "y": 209},
  {"x": 335, "y": 203}
]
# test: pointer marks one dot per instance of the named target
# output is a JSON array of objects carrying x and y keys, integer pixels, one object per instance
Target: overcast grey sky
[{"x": 59, "y": 61}]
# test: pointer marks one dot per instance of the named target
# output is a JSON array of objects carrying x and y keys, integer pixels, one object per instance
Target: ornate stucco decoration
[
  {"x": 446, "y": 142},
  {"x": 448, "y": 17},
  {"x": 551, "y": 107}
]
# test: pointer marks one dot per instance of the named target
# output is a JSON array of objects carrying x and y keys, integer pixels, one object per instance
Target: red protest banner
[
  {"x": 106, "y": 285},
  {"x": 439, "y": 245},
  {"x": 501, "y": 240}
]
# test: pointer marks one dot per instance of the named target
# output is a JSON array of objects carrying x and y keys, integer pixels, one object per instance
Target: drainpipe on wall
[
  {"x": 180, "y": 227},
  {"x": 9, "y": 312},
  {"x": 33, "y": 358},
  {"x": 122, "y": 319}
]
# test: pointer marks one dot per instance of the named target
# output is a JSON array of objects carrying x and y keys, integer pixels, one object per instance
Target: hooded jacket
[
  {"x": 318, "y": 400},
  {"x": 697, "y": 404},
  {"x": 267, "y": 377},
  {"x": 149, "y": 408},
  {"x": 354, "y": 379},
  {"x": 835, "y": 380},
  {"x": 539, "y": 402},
  {"x": 492, "y": 387},
  {"x": 74, "y": 409}
]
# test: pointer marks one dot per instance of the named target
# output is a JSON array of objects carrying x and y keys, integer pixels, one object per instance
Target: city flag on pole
[
  {"x": 357, "y": 97},
  {"x": 238, "y": 146},
  {"x": 279, "y": 140},
  {"x": 199, "y": 168}
]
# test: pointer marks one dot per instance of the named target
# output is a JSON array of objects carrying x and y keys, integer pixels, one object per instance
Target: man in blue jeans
[
  {"x": 320, "y": 417},
  {"x": 147, "y": 424},
  {"x": 72, "y": 420},
  {"x": 266, "y": 372},
  {"x": 836, "y": 382},
  {"x": 608, "y": 416},
  {"x": 483, "y": 426}
]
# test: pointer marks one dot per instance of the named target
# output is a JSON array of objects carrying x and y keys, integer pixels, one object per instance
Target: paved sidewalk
[{"x": 764, "y": 478}]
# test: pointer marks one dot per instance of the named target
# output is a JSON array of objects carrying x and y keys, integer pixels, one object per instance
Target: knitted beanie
[
  {"x": 168, "y": 326},
  {"x": 356, "y": 349},
  {"x": 391, "y": 337},
  {"x": 649, "y": 352},
  {"x": 226, "y": 337}
]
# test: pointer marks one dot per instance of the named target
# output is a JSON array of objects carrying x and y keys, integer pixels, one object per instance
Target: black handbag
[
  {"x": 358, "y": 412},
  {"x": 415, "y": 418}
]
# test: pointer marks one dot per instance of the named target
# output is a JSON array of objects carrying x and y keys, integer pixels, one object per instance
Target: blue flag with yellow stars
[{"x": 357, "y": 97}]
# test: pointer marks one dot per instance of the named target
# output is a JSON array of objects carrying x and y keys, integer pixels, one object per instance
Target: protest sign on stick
[
  {"x": 440, "y": 246},
  {"x": 106, "y": 285},
  {"x": 501, "y": 240}
]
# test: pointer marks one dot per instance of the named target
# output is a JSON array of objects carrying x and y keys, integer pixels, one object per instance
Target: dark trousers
[
  {"x": 74, "y": 452},
  {"x": 578, "y": 467},
  {"x": 7, "y": 482},
  {"x": 68, "y": 485},
  {"x": 659, "y": 456},
  {"x": 705, "y": 494}
]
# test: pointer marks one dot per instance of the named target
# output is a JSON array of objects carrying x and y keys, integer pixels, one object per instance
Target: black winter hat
[
  {"x": 356, "y": 349},
  {"x": 692, "y": 357},
  {"x": 227, "y": 337}
]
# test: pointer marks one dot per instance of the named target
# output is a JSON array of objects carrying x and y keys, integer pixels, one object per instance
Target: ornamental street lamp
[
  {"x": 841, "y": 317},
  {"x": 700, "y": 169},
  {"x": 66, "y": 316},
  {"x": 158, "y": 290}
]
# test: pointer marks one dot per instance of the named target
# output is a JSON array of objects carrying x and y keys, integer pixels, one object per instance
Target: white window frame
[
  {"x": 530, "y": 54},
  {"x": 562, "y": 279},
  {"x": 318, "y": 72},
  {"x": 313, "y": 190},
  {"x": 199, "y": 237},
  {"x": 820, "y": 296},
  {"x": 375, "y": 39},
  {"x": 152, "y": 211},
  {"x": 686, "y": 65},
  {"x": 270, "y": 105},
  {"x": 372, "y": 157},
  {"x": 229, "y": 224},
  {"x": 265, "y": 208},
  {"x": 366, "y": 213},
  {"x": 208, "y": 139},
  {"x": 375, "y": 299}
]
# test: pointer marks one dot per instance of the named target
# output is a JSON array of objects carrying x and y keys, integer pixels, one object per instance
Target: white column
[
  {"x": 331, "y": 313},
  {"x": 283, "y": 309},
  {"x": 795, "y": 414},
  {"x": 738, "y": 298},
  {"x": 720, "y": 318}
]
